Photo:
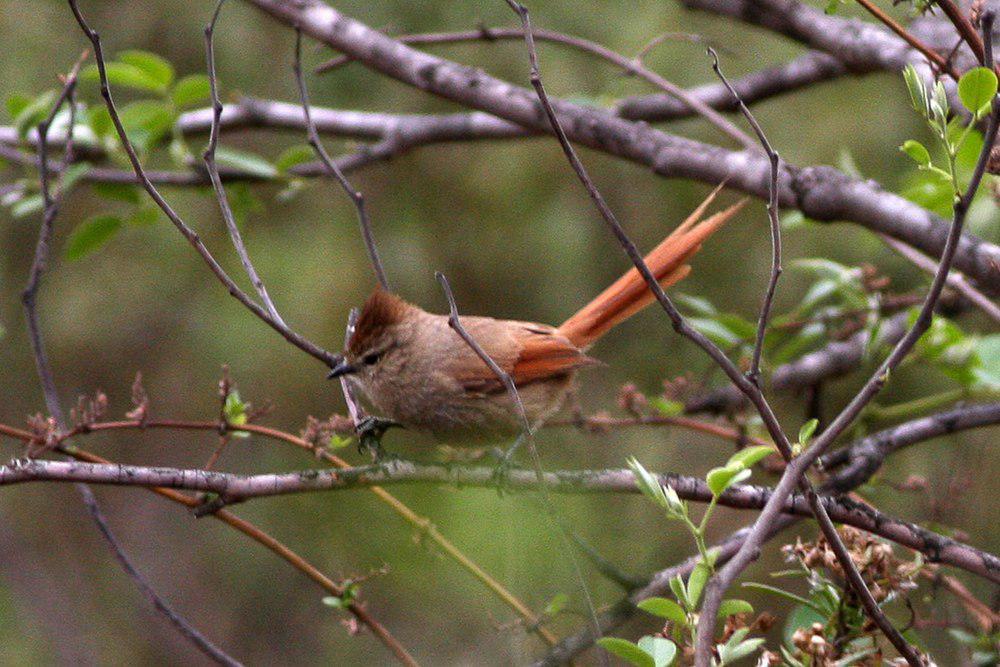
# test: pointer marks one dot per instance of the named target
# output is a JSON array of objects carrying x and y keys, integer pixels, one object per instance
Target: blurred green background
[{"x": 517, "y": 236}]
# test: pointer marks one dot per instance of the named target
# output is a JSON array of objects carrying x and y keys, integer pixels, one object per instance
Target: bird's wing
[{"x": 543, "y": 354}]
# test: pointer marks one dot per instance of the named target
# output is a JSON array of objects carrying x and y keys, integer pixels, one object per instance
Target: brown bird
[{"x": 415, "y": 370}]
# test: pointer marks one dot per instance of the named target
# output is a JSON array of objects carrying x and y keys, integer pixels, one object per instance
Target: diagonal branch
[
  {"x": 213, "y": 173},
  {"x": 333, "y": 170}
]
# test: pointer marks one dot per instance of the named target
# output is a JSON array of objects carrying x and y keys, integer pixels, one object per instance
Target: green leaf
[
  {"x": 152, "y": 65},
  {"x": 663, "y": 651},
  {"x": 556, "y": 604},
  {"x": 146, "y": 122},
  {"x": 627, "y": 651},
  {"x": 666, "y": 407},
  {"x": 336, "y": 602},
  {"x": 92, "y": 234},
  {"x": 780, "y": 592},
  {"x": 245, "y": 162},
  {"x": 698, "y": 304},
  {"x": 664, "y": 608},
  {"x": 117, "y": 192},
  {"x": 977, "y": 88},
  {"x": 124, "y": 74},
  {"x": 26, "y": 206},
  {"x": 732, "y": 652},
  {"x": 677, "y": 586},
  {"x": 34, "y": 112},
  {"x": 918, "y": 93},
  {"x": 144, "y": 216},
  {"x": 987, "y": 371},
  {"x": 801, "y": 616},
  {"x": 647, "y": 482},
  {"x": 338, "y": 442},
  {"x": 243, "y": 201},
  {"x": 716, "y": 331},
  {"x": 73, "y": 174},
  {"x": 191, "y": 90},
  {"x": 696, "y": 582},
  {"x": 294, "y": 155},
  {"x": 807, "y": 430},
  {"x": 234, "y": 409},
  {"x": 733, "y": 607},
  {"x": 917, "y": 152},
  {"x": 16, "y": 103},
  {"x": 720, "y": 479},
  {"x": 751, "y": 455}
]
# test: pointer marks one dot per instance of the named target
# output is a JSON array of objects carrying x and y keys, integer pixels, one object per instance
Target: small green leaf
[
  {"x": 732, "y": 651},
  {"x": 26, "y": 206},
  {"x": 627, "y": 651},
  {"x": 664, "y": 608},
  {"x": 234, "y": 409},
  {"x": 556, "y": 604},
  {"x": 338, "y": 442},
  {"x": 751, "y": 455},
  {"x": 117, "y": 192},
  {"x": 294, "y": 155},
  {"x": 124, "y": 74},
  {"x": 150, "y": 64},
  {"x": 807, "y": 430},
  {"x": 987, "y": 371},
  {"x": 733, "y": 607},
  {"x": 666, "y": 407},
  {"x": 92, "y": 234},
  {"x": 336, "y": 602},
  {"x": 144, "y": 216},
  {"x": 191, "y": 90},
  {"x": 663, "y": 651},
  {"x": 720, "y": 479},
  {"x": 647, "y": 483},
  {"x": 917, "y": 152},
  {"x": 918, "y": 93},
  {"x": 245, "y": 162},
  {"x": 34, "y": 112},
  {"x": 696, "y": 582},
  {"x": 146, "y": 122},
  {"x": 73, "y": 173},
  {"x": 16, "y": 103},
  {"x": 977, "y": 88},
  {"x": 677, "y": 587}
]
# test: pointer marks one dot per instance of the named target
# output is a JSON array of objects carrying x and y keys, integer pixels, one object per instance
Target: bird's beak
[{"x": 342, "y": 367}]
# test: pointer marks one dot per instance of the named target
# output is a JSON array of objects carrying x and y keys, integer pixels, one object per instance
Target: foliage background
[{"x": 516, "y": 235}]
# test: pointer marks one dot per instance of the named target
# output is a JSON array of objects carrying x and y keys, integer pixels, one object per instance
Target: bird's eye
[{"x": 371, "y": 358}]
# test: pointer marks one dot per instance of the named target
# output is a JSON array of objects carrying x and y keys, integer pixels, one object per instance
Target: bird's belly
[{"x": 468, "y": 417}]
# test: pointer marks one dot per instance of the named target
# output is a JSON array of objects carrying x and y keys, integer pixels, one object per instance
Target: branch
[
  {"x": 213, "y": 173},
  {"x": 356, "y": 197},
  {"x": 188, "y": 233},
  {"x": 822, "y": 193},
  {"x": 841, "y": 482},
  {"x": 47, "y": 379},
  {"x": 691, "y": 103},
  {"x": 239, "y": 488}
]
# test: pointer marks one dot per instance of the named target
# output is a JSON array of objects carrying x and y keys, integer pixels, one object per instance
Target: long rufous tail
[{"x": 630, "y": 294}]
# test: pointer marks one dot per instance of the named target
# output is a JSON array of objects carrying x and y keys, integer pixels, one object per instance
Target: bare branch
[
  {"x": 772, "y": 212},
  {"x": 213, "y": 173},
  {"x": 356, "y": 197},
  {"x": 188, "y": 233}
]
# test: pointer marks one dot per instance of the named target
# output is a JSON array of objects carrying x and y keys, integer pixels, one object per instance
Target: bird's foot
[
  {"x": 505, "y": 461},
  {"x": 370, "y": 431}
]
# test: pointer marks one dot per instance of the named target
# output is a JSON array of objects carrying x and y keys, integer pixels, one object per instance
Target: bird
[{"x": 416, "y": 371}]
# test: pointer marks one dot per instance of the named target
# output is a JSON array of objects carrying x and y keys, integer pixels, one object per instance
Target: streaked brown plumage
[{"x": 415, "y": 370}]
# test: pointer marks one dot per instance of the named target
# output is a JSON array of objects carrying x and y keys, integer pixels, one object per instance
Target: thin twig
[
  {"x": 956, "y": 280},
  {"x": 772, "y": 212},
  {"x": 356, "y": 197},
  {"x": 629, "y": 66},
  {"x": 47, "y": 379},
  {"x": 943, "y": 64},
  {"x": 192, "y": 237},
  {"x": 527, "y": 436},
  {"x": 213, "y": 173}
]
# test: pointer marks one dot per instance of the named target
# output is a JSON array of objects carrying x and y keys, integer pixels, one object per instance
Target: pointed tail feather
[{"x": 630, "y": 294}]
